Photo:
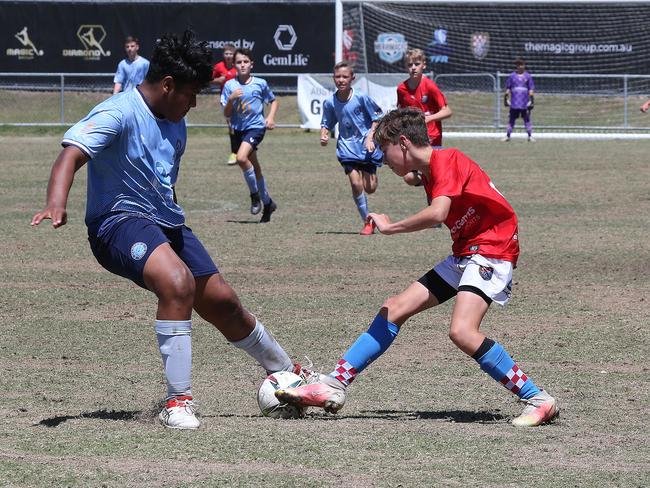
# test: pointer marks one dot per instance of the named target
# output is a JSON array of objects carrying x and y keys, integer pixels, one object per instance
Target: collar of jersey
[{"x": 146, "y": 105}]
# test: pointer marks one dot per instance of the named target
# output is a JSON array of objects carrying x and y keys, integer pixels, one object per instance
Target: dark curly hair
[
  {"x": 407, "y": 122},
  {"x": 187, "y": 60}
]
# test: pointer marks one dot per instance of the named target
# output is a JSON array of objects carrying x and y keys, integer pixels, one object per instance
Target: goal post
[{"x": 589, "y": 59}]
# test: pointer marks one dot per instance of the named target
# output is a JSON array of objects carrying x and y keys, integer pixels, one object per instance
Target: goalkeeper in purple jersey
[{"x": 519, "y": 96}]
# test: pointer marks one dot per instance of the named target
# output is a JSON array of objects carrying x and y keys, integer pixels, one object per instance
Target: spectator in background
[
  {"x": 519, "y": 96},
  {"x": 132, "y": 69},
  {"x": 223, "y": 71}
]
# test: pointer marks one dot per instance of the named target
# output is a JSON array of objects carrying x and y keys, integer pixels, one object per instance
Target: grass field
[{"x": 81, "y": 373}]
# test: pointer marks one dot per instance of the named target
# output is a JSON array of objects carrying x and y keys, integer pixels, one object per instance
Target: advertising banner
[
  {"x": 559, "y": 37},
  {"x": 88, "y": 37},
  {"x": 313, "y": 90}
]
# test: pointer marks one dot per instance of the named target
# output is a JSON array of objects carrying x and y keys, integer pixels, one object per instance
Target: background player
[
  {"x": 520, "y": 97},
  {"x": 421, "y": 92},
  {"x": 223, "y": 71},
  {"x": 357, "y": 115},
  {"x": 484, "y": 252},
  {"x": 132, "y": 69},
  {"x": 243, "y": 100},
  {"x": 133, "y": 143}
]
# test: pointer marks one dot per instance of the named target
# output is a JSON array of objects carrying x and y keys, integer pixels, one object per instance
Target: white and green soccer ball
[{"x": 271, "y": 406}]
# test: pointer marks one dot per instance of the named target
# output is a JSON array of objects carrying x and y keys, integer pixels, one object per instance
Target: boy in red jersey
[
  {"x": 221, "y": 72},
  {"x": 422, "y": 93},
  {"x": 485, "y": 249}
]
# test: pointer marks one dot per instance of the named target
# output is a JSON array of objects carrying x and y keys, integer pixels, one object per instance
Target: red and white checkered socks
[
  {"x": 500, "y": 366},
  {"x": 344, "y": 372}
]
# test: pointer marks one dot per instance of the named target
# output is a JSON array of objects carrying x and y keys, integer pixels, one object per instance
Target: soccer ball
[{"x": 271, "y": 406}]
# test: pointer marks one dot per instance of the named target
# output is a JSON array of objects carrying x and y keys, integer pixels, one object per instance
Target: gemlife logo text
[
  {"x": 285, "y": 38},
  {"x": 576, "y": 48}
]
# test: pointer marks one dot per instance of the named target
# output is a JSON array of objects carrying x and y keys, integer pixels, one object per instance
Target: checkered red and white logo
[
  {"x": 345, "y": 372},
  {"x": 514, "y": 379}
]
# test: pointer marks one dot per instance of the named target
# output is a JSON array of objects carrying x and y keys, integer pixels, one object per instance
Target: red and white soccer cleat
[
  {"x": 539, "y": 409},
  {"x": 368, "y": 229},
  {"x": 179, "y": 413},
  {"x": 307, "y": 375},
  {"x": 327, "y": 393}
]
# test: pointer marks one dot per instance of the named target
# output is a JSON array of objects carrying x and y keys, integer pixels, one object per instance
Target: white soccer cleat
[
  {"x": 539, "y": 409},
  {"x": 505, "y": 139},
  {"x": 327, "y": 393},
  {"x": 531, "y": 139},
  {"x": 179, "y": 413}
]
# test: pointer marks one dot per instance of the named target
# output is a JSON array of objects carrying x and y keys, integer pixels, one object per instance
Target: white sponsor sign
[{"x": 314, "y": 90}]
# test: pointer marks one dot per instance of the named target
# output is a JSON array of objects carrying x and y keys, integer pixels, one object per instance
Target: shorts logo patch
[
  {"x": 252, "y": 140},
  {"x": 473, "y": 248},
  {"x": 138, "y": 250},
  {"x": 485, "y": 272}
]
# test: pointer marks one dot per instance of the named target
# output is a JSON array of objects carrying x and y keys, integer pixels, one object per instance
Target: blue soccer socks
[
  {"x": 362, "y": 205},
  {"x": 251, "y": 180},
  {"x": 500, "y": 366},
  {"x": 175, "y": 343},
  {"x": 368, "y": 347},
  {"x": 264, "y": 192}
]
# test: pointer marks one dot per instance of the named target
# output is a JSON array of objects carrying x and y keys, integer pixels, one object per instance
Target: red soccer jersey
[
  {"x": 480, "y": 219},
  {"x": 221, "y": 70},
  {"x": 428, "y": 98}
]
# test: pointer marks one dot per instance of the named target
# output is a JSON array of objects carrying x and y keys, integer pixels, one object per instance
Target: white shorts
[{"x": 493, "y": 277}]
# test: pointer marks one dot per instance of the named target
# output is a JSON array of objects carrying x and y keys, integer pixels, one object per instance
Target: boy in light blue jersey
[
  {"x": 243, "y": 100},
  {"x": 132, "y": 70},
  {"x": 357, "y": 115},
  {"x": 133, "y": 143}
]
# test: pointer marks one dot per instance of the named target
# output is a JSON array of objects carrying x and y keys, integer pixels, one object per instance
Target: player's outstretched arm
[
  {"x": 434, "y": 214},
  {"x": 369, "y": 143},
  {"x": 58, "y": 188}
]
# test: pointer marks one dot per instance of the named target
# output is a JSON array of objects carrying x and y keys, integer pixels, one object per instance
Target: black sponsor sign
[
  {"x": 552, "y": 37},
  {"x": 88, "y": 37}
]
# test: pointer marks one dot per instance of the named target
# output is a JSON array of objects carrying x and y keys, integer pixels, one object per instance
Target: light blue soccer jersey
[
  {"x": 134, "y": 159},
  {"x": 131, "y": 73},
  {"x": 355, "y": 117},
  {"x": 248, "y": 110}
]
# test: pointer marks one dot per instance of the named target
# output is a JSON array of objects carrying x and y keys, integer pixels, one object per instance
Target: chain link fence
[{"x": 562, "y": 101}]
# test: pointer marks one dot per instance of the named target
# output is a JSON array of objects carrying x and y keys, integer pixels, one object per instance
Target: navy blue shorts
[
  {"x": 252, "y": 136},
  {"x": 123, "y": 249},
  {"x": 349, "y": 166}
]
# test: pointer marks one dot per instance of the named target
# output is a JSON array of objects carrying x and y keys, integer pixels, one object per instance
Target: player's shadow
[
  {"x": 458, "y": 416},
  {"x": 243, "y": 221},
  {"x": 98, "y": 414}
]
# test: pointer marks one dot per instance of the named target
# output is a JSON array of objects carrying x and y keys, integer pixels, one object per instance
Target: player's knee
[
  {"x": 179, "y": 286},
  {"x": 459, "y": 336}
]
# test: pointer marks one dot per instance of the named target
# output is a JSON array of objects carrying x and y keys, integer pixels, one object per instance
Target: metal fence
[{"x": 566, "y": 102}]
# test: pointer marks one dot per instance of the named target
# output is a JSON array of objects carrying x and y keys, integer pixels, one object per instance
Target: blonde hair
[{"x": 415, "y": 53}]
